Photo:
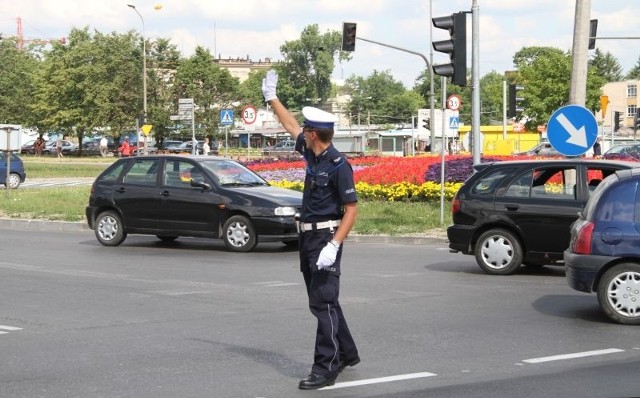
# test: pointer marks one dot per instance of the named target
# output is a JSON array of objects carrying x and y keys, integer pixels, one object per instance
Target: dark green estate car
[{"x": 199, "y": 196}]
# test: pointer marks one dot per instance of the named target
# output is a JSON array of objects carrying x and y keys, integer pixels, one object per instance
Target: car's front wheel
[
  {"x": 239, "y": 235},
  {"x": 13, "y": 181},
  {"x": 619, "y": 293},
  {"x": 498, "y": 252},
  {"x": 110, "y": 229}
]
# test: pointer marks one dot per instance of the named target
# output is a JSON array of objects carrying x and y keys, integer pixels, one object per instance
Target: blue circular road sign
[{"x": 572, "y": 130}]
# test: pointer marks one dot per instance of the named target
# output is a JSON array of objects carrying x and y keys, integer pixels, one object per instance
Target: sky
[{"x": 256, "y": 29}]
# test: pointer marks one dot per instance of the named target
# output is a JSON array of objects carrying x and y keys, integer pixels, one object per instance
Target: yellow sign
[
  {"x": 604, "y": 101},
  {"x": 146, "y": 129}
]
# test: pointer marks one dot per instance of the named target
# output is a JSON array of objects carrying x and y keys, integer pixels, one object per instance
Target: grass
[{"x": 68, "y": 203}]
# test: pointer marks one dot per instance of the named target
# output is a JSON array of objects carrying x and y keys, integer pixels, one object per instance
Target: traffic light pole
[
  {"x": 475, "y": 81},
  {"x": 432, "y": 105}
]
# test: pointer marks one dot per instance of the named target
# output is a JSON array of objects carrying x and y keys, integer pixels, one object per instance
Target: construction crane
[{"x": 21, "y": 41}]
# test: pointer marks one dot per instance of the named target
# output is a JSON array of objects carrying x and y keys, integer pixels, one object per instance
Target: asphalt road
[{"x": 189, "y": 319}]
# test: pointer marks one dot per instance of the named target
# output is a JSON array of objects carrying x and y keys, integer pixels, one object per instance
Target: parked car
[
  {"x": 17, "y": 174},
  {"x": 623, "y": 152},
  {"x": 166, "y": 144},
  {"x": 542, "y": 149},
  {"x": 201, "y": 196},
  {"x": 152, "y": 149},
  {"x": 67, "y": 147},
  {"x": 92, "y": 146},
  {"x": 520, "y": 212},
  {"x": 28, "y": 147},
  {"x": 282, "y": 148},
  {"x": 185, "y": 148},
  {"x": 604, "y": 251}
]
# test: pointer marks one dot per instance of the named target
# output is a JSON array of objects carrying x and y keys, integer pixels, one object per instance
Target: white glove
[
  {"x": 327, "y": 255},
  {"x": 269, "y": 84}
]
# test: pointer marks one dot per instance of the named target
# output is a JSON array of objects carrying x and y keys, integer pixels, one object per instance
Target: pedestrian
[
  {"x": 59, "y": 147},
  {"x": 104, "y": 149},
  {"x": 205, "y": 147},
  {"x": 329, "y": 210},
  {"x": 125, "y": 148},
  {"x": 39, "y": 145},
  {"x": 597, "y": 149}
]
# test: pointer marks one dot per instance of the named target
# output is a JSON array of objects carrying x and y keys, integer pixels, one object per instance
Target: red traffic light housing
[
  {"x": 456, "y": 47},
  {"x": 348, "y": 36}
]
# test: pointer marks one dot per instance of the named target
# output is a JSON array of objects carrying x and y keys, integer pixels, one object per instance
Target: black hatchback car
[
  {"x": 199, "y": 196},
  {"x": 604, "y": 253},
  {"x": 520, "y": 212}
]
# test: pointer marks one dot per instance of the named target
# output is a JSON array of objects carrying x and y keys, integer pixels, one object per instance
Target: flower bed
[{"x": 387, "y": 178}]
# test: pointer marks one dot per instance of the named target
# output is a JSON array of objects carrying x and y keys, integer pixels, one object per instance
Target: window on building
[
  {"x": 631, "y": 110},
  {"x": 632, "y": 91}
]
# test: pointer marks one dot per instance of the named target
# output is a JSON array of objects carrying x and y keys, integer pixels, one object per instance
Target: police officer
[{"x": 328, "y": 214}]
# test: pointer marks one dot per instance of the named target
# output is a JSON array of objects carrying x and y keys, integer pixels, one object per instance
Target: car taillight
[
  {"x": 582, "y": 243},
  {"x": 455, "y": 205}
]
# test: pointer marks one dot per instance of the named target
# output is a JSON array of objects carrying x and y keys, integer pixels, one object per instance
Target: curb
[
  {"x": 81, "y": 226},
  {"x": 43, "y": 225}
]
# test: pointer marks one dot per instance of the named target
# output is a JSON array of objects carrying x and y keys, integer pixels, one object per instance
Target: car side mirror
[{"x": 200, "y": 184}]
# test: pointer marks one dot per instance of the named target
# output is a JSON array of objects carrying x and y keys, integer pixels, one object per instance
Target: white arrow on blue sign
[
  {"x": 226, "y": 117},
  {"x": 572, "y": 130}
]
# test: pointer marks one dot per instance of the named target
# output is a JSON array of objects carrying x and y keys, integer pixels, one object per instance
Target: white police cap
[{"x": 314, "y": 117}]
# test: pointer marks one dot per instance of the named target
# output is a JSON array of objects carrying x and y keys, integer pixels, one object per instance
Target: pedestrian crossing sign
[
  {"x": 454, "y": 122},
  {"x": 226, "y": 117}
]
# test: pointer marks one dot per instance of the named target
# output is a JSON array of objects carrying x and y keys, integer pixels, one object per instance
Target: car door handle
[
  {"x": 164, "y": 193},
  {"x": 121, "y": 190},
  {"x": 511, "y": 207}
]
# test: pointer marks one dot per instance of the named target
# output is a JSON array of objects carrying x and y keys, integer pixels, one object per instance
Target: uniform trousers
[{"x": 334, "y": 342}]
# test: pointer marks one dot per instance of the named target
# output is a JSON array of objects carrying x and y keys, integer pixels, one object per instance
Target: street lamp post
[{"x": 144, "y": 72}]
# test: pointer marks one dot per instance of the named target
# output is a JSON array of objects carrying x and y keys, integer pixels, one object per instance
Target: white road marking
[
  {"x": 379, "y": 380},
  {"x": 573, "y": 356},
  {"x": 10, "y": 328}
]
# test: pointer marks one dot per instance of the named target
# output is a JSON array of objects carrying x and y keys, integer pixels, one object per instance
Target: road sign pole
[{"x": 194, "y": 143}]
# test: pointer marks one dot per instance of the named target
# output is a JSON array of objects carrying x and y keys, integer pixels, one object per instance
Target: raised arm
[{"x": 289, "y": 122}]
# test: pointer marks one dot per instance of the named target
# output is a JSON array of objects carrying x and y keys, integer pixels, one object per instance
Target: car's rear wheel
[
  {"x": 619, "y": 293},
  {"x": 239, "y": 234},
  {"x": 166, "y": 238},
  {"x": 110, "y": 229},
  {"x": 13, "y": 181},
  {"x": 498, "y": 252}
]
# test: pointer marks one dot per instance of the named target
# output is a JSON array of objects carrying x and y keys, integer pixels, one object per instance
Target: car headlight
[{"x": 285, "y": 211}]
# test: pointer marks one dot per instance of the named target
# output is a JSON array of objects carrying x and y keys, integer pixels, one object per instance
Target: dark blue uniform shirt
[{"x": 328, "y": 184}]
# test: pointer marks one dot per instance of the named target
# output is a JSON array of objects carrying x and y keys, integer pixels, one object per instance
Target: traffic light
[
  {"x": 423, "y": 123},
  {"x": 593, "y": 29},
  {"x": 348, "y": 36},
  {"x": 636, "y": 121},
  {"x": 456, "y": 47},
  {"x": 514, "y": 100},
  {"x": 617, "y": 121}
]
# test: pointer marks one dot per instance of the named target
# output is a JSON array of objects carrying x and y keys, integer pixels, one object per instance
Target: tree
[
  {"x": 377, "y": 95},
  {"x": 607, "y": 66},
  {"x": 17, "y": 84},
  {"x": 545, "y": 73},
  {"x": 491, "y": 98},
  {"x": 211, "y": 87},
  {"x": 307, "y": 66},
  {"x": 634, "y": 73},
  {"x": 163, "y": 58}
]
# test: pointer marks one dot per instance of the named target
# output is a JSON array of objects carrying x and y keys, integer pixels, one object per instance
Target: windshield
[{"x": 228, "y": 172}]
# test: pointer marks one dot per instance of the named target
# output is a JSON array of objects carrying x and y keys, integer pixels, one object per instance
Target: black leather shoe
[
  {"x": 314, "y": 381},
  {"x": 349, "y": 362}
]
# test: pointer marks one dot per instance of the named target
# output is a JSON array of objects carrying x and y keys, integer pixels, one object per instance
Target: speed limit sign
[
  {"x": 453, "y": 102},
  {"x": 249, "y": 114}
]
